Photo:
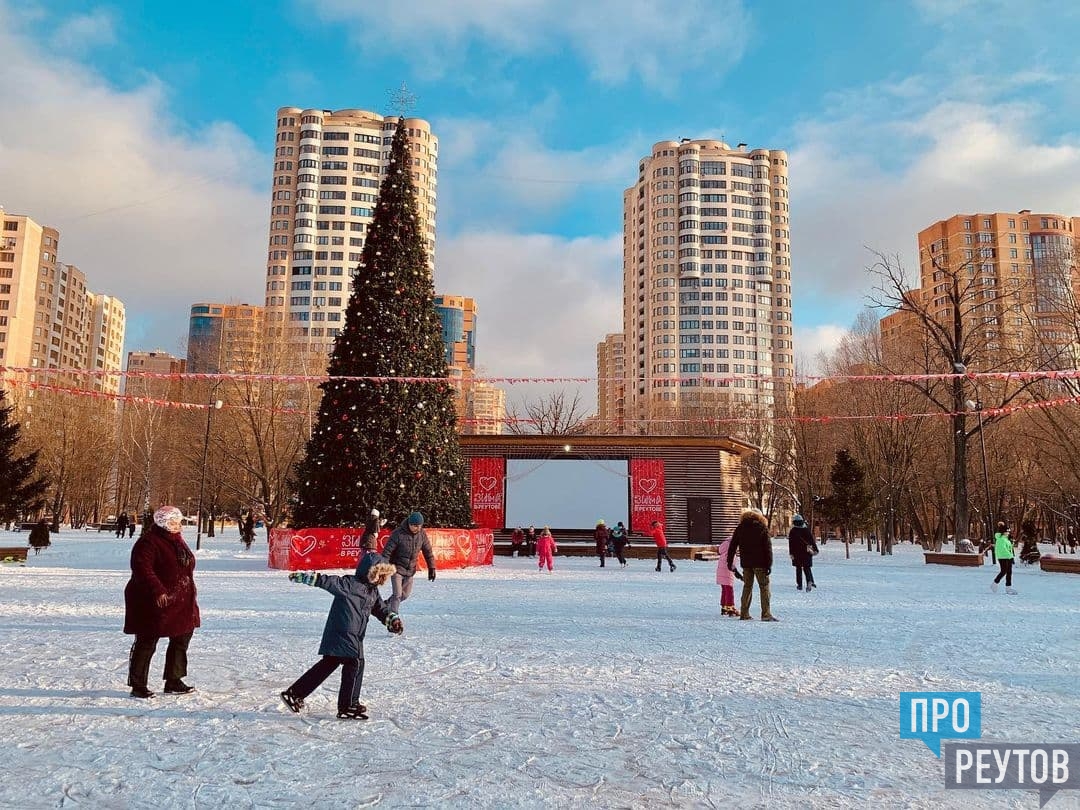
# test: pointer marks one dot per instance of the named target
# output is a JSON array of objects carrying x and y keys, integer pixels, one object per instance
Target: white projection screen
[{"x": 567, "y": 493}]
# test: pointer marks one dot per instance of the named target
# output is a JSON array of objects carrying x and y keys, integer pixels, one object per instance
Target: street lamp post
[
  {"x": 975, "y": 405},
  {"x": 210, "y": 408}
]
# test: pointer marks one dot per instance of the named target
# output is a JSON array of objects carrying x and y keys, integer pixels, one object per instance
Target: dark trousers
[
  {"x": 661, "y": 554},
  {"x": 142, "y": 650},
  {"x": 619, "y": 547},
  {"x": 799, "y": 571},
  {"x": 352, "y": 678},
  {"x": 601, "y": 555},
  {"x": 1006, "y": 571}
]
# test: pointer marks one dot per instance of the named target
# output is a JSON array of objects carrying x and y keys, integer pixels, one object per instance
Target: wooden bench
[
  {"x": 13, "y": 554},
  {"x": 24, "y": 527},
  {"x": 1060, "y": 565},
  {"x": 951, "y": 558}
]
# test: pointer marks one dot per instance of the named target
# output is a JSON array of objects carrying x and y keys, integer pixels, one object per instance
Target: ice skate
[
  {"x": 1011, "y": 591},
  {"x": 141, "y": 692},
  {"x": 353, "y": 713},
  {"x": 993, "y": 587},
  {"x": 769, "y": 619},
  {"x": 294, "y": 703},
  {"x": 177, "y": 687}
]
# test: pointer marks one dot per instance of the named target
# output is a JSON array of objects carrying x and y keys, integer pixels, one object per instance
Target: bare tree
[
  {"x": 965, "y": 320},
  {"x": 555, "y": 414}
]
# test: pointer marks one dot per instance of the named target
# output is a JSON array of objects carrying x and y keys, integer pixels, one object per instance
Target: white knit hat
[{"x": 167, "y": 513}]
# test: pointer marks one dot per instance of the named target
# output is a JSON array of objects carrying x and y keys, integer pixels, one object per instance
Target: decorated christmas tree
[
  {"x": 22, "y": 491},
  {"x": 387, "y": 443}
]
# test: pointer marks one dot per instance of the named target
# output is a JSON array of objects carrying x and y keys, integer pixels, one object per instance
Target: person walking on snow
[
  {"x": 121, "y": 525},
  {"x": 356, "y": 598},
  {"x": 752, "y": 542},
  {"x": 725, "y": 578},
  {"x": 802, "y": 548},
  {"x": 600, "y": 537},
  {"x": 660, "y": 539},
  {"x": 406, "y": 542},
  {"x": 39, "y": 536},
  {"x": 619, "y": 542},
  {"x": 160, "y": 602},
  {"x": 546, "y": 550},
  {"x": 1003, "y": 550}
]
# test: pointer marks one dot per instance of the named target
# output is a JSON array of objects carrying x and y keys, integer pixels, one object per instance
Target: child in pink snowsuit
[
  {"x": 725, "y": 578},
  {"x": 545, "y": 549}
]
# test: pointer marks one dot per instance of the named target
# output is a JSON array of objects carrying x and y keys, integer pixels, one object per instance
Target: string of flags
[{"x": 986, "y": 413}]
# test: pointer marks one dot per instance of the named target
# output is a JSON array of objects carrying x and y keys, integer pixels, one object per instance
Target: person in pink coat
[
  {"x": 545, "y": 549},
  {"x": 725, "y": 578}
]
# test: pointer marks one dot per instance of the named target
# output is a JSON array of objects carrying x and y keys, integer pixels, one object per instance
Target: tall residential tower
[
  {"x": 327, "y": 170},
  {"x": 706, "y": 281}
]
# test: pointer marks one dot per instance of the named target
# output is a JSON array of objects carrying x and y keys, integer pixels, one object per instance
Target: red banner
[
  {"x": 646, "y": 493},
  {"x": 322, "y": 549},
  {"x": 489, "y": 492}
]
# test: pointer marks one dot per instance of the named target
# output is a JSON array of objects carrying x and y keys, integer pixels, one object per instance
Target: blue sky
[{"x": 153, "y": 122}]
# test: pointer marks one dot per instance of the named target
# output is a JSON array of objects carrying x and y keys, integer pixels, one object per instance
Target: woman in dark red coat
[{"x": 159, "y": 602}]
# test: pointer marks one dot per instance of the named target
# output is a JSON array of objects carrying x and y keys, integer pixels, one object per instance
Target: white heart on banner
[
  {"x": 303, "y": 544},
  {"x": 646, "y": 484},
  {"x": 488, "y": 482}
]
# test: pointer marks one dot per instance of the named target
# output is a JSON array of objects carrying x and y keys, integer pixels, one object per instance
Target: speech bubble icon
[{"x": 933, "y": 716}]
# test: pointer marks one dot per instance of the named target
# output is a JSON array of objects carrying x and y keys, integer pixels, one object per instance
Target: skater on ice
[
  {"x": 1003, "y": 550},
  {"x": 600, "y": 538},
  {"x": 406, "y": 542},
  {"x": 517, "y": 541},
  {"x": 752, "y": 543},
  {"x": 356, "y": 598},
  {"x": 546, "y": 550},
  {"x": 660, "y": 539},
  {"x": 725, "y": 578},
  {"x": 619, "y": 542},
  {"x": 802, "y": 548},
  {"x": 159, "y": 602}
]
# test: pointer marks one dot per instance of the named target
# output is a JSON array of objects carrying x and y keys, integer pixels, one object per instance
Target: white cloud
[
  {"x": 906, "y": 171},
  {"x": 81, "y": 32},
  {"x": 653, "y": 39},
  {"x": 814, "y": 341},
  {"x": 543, "y": 302},
  {"x": 501, "y": 172},
  {"x": 153, "y": 213}
]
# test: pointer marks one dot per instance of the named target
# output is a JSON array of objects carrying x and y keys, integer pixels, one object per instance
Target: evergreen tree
[
  {"x": 387, "y": 444},
  {"x": 21, "y": 489},
  {"x": 850, "y": 504}
]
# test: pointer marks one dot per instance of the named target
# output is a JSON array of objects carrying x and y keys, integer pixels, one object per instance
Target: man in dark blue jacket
[{"x": 406, "y": 542}]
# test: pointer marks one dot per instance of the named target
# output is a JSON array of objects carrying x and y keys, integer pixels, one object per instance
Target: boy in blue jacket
[{"x": 356, "y": 598}]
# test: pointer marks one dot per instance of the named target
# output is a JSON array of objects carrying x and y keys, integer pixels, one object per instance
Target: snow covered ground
[{"x": 588, "y": 687}]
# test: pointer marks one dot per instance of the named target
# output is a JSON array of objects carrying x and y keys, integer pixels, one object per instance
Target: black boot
[
  {"x": 177, "y": 687},
  {"x": 141, "y": 692}
]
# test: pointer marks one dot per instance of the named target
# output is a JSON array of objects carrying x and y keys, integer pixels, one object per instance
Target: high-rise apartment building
[
  {"x": 225, "y": 338},
  {"x": 457, "y": 317},
  {"x": 1016, "y": 281},
  {"x": 457, "y": 314},
  {"x": 47, "y": 314},
  {"x": 28, "y": 286},
  {"x": 327, "y": 170},
  {"x": 485, "y": 410},
  {"x": 105, "y": 351},
  {"x": 706, "y": 280},
  {"x": 611, "y": 385}
]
